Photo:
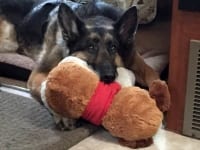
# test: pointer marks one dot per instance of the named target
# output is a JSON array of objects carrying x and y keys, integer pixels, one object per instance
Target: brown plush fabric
[
  {"x": 159, "y": 90},
  {"x": 137, "y": 144},
  {"x": 69, "y": 88},
  {"x": 133, "y": 115}
]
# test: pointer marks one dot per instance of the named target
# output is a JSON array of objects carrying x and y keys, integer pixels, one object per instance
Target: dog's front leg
[
  {"x": 65, "y": 124},
  {"x": 145, "y": 75},
  {"x": 148, "y": 77},
  {"x": 34, "y": 84}
]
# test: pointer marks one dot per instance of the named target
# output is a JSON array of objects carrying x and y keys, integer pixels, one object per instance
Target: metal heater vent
[{"x": 191, "y": 126}]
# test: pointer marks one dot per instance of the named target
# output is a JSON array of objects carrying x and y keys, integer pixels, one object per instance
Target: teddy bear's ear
[
  {"x": 43, "y": 93},
  {"x": 75, "y": 60},
  {"x": 125, "y": 77}
]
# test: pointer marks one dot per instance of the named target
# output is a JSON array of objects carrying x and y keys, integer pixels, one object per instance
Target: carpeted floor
[{"x": 25, "y": 124}]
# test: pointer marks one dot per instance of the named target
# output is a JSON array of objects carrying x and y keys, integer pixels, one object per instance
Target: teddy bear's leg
[
  {"x": 136, "y": 144},
  {"x": 160, "y": 92}
]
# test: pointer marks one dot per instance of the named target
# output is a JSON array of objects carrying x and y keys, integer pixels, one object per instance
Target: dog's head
[{"x": 98, "y": 40}]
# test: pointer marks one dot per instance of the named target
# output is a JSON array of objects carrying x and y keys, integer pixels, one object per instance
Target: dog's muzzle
[{"x": 107, "y": 72}]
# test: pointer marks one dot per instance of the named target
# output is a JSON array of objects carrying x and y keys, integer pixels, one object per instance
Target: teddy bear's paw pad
[
  {"x": 160, "y": 92},
  {"x": 136, "y": 144}
]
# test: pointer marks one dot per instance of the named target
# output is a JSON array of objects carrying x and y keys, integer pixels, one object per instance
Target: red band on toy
[{"x": 100, "y": 102}]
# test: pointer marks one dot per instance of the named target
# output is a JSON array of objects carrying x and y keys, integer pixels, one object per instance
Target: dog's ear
[
  {"x": 126, "y": 26},
  {"x": 71, "y": 25}
]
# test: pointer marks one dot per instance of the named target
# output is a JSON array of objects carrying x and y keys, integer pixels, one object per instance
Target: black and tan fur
[{"x": 96, "y": 32}]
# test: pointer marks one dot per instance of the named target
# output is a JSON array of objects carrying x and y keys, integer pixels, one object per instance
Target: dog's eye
[
  {"x": 113, "y": 49},
  {"x": 92, "y": 48}
]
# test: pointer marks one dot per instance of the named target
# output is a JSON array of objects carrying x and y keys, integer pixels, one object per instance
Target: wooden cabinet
[{"x": 185, "y": 27}]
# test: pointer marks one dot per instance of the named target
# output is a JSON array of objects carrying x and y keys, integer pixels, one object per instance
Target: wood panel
[{"x": 185, "y": 26}]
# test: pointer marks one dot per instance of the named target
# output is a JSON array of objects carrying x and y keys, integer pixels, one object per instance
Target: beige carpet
[{"x": 164, "y": 140}]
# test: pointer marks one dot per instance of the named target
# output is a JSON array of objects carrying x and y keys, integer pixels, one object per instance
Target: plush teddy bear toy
[{"x": 73, "y": 90}]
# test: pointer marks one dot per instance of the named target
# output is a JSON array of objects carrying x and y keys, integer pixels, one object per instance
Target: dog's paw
[
  {"x": 66, "y": 124},
  {"x": 160, "y": 92}
]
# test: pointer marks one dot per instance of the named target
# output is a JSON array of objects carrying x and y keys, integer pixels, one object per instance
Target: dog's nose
[
  {"x": 108, "y": 78},
  {"x": 107, "y": 72}
]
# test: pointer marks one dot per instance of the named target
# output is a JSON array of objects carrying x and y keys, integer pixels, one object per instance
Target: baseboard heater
[{"x": 191, "y": 125}]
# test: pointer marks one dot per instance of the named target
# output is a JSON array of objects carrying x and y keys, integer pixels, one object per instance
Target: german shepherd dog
[{"x": 96, "y": 32}]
